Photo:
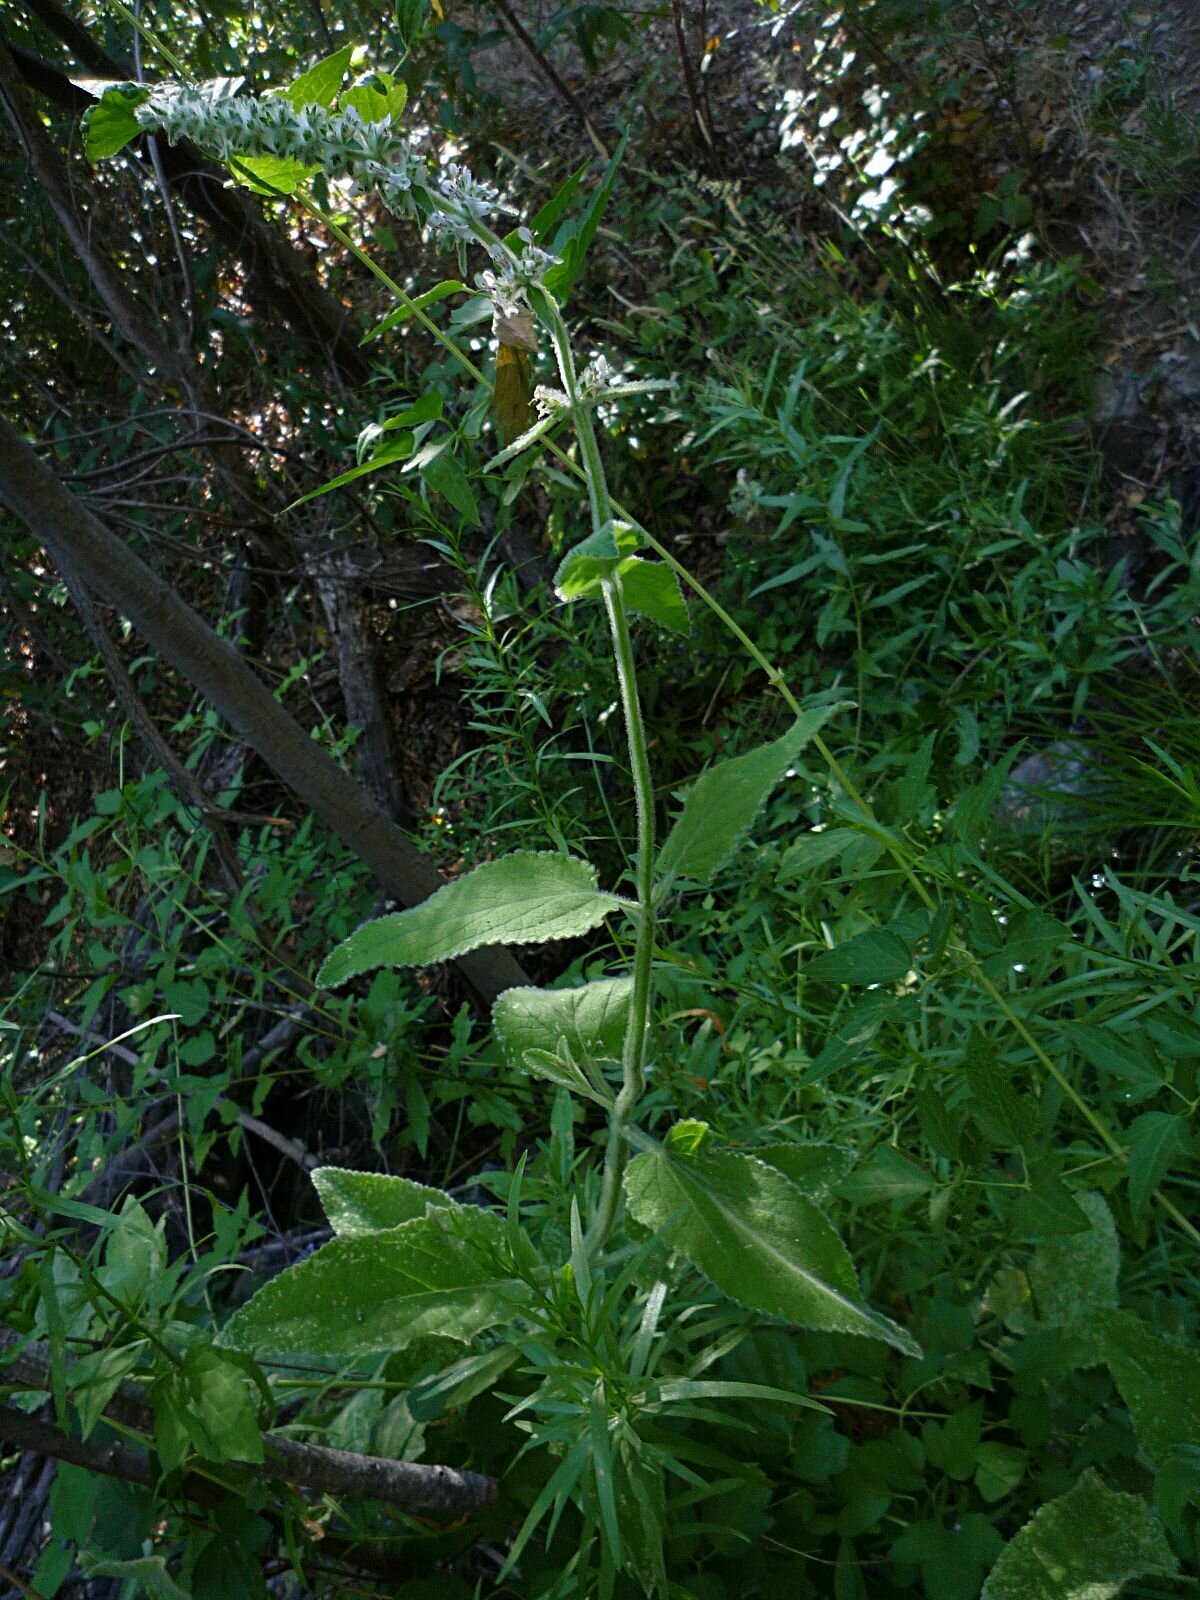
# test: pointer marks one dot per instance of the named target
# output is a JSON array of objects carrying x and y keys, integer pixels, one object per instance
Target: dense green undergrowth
[{"x": 950, "y": 971}]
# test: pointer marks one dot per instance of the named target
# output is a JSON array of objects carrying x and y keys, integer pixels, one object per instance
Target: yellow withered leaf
[
  {"x": 514, "y": 386},
  {"x": 515, "y": 326}
]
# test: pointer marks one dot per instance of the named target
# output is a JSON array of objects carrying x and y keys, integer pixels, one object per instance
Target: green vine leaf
[
  {"x": 110, "y": 124},
  {"x": 1083, "y": 1546},
  {"x": 652, "y": 590},
  {"x": 724, "y": 801},
  {"x": 1156, "y": 1139},
  {"x": 360, "y": 1296},
  {"x": 584, "y": 568},
  {"x": 529, "y": 897},
  {"x": 377, "y": 97},
  {"x": 1159, "y": 1380},
  {"x": 272, "y": 175},
  {"x": 320, "y": 84},
  {"x": 750, "y": 1230}
]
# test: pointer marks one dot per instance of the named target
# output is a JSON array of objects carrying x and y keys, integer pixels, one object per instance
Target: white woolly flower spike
[{"x": 372, "y": 155}]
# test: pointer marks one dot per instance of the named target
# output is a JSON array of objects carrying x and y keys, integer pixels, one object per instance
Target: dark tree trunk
[{"x": 78, "y": 541}]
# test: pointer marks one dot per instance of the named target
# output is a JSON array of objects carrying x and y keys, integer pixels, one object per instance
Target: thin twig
[{"x": 551, "y": 73}]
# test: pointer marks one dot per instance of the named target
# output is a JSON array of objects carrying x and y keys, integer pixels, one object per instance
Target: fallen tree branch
[
  {"x": 411, "y": 1485},
  {"x": 131, "y": 1466},
  {"x": 112, "y": 1460}
]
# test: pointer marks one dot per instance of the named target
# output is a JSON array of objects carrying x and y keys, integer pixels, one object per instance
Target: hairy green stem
[
  {"x": 589, "y": 448},
  {"x": 389, "y": 283},
  {"x": 633, "y": 1058}
]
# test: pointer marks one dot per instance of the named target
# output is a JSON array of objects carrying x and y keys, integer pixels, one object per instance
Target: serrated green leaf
[
  {"x": 271, "y": 174},
  {"x": 1074, "y": 1278},
  {"x": 590, "y": 1018},
  {"x": 369, "y": 1202},
  {"x": 652, "y": 590},
  {"x": 814, "y": 1168},
  {"x": 172, "y": 1435},
  {"x": 1083, "y": 1546},
  {"x": 953, "y": 1446},
  {"x": 561, "y": 1034},
  {"x": 1156, "y": 1139},
  {"x": 1047, "y": 1209},
  {"x": 814, "y": 850},
  {"x": 1129, "y": 1060},
  {"x": 724, "y": 801},
  {"x": 877, "y": 956},
  {"x": 886, "y": 1175},
  {"x": 1159, "y": 1380},
  {"x": 95, "y": 1378},
  {"x": 999, "y": 1112},
  {"x": 320, "y": 84},
  {"x": 377, "y": 97},
  {"x": 362, "y": 1296},
  {"x": 222, "y": 1403},
  {"x": 584, "y": 567},
  {"x": 529, "y": 897},
  {"x": 110, "y": 124},
  {"x": 1001, "y": 1468},
  {"x": 750, "y": 1230}
]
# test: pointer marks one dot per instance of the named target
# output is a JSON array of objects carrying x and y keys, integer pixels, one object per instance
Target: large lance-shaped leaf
[
  {"x": 1083, "y": 1546},
  {"x": 368, "y": 1202},
  {"x": 529, "y": 897},
  {"x": 1159, "y": 1380},
  {"x": 750, "y": 1230},
  {"x": 724, "y": 801},
  {"x": 380, "y": 1292},
  {"x": 561, "y": 1033}
]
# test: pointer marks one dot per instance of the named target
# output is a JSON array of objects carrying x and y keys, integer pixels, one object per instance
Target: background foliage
[{"x": 952, "y": 972}]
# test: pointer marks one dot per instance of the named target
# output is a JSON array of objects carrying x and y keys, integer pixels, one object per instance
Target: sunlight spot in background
[{"x": 817, "y": 120}]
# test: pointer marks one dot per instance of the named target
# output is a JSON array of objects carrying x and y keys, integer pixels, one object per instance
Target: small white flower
[{"x": 550, "y": 402}]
